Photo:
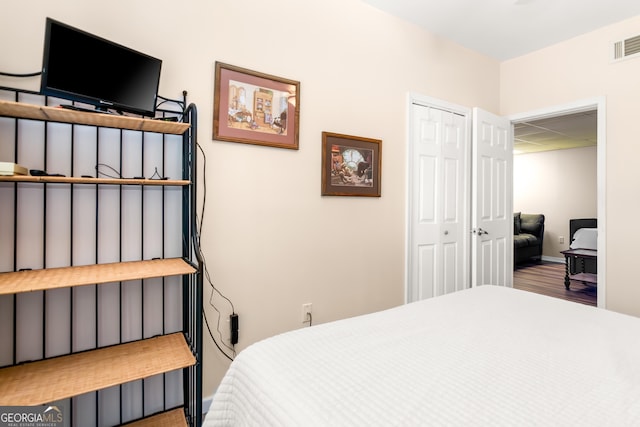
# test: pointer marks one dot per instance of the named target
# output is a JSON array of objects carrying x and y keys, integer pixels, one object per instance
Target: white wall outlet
[
  {"x": 561, "y": 239},
  {"x": 306, "y": 312}
]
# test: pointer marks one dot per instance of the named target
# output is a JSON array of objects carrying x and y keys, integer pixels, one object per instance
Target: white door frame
[
  {"x": 598, "y": 104},
  {"x": 467, "y": 113}
]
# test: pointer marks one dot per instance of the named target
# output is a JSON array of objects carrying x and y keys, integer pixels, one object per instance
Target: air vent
[{"x": 626, "y": 48}]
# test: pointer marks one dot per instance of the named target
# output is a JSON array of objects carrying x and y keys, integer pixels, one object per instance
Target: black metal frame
[{"x": 191, "y": 284}]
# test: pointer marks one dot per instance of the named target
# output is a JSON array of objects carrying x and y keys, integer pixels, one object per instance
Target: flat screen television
[{"x": 79, "y": 66}]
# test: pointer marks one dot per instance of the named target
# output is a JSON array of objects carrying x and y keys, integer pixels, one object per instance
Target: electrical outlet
[
  {"x": 306, "y": 312},
  {"x": 561, "y": 239}
]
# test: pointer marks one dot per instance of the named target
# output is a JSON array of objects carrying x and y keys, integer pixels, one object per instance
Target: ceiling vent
[{"x": 626, "y": 48}]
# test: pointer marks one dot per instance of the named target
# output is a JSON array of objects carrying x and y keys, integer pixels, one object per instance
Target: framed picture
[
  {"x": 351, "y": 165},
  {"x": 255, "y": 108}
]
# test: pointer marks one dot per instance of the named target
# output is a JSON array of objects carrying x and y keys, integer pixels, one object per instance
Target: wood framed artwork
[
  {"x": 255, "y": 108},
  {"x": 351, "y": 165}
]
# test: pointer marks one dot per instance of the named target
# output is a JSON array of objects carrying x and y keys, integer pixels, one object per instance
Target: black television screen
[{"x": 83, "y": 67}]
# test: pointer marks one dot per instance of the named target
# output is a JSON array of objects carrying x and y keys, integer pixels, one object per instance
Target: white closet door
[{"x": 438, "y": 203}]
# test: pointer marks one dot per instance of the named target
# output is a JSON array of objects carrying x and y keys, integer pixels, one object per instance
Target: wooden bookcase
[
  {"x": 262, "y": 107},
  {"x": 165, "y": 287}
]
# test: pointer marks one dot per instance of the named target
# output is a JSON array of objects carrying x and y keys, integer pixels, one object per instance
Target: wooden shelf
[
  {"x": 173, "y": 418},
  {"x": 63, "y": 277},
  {"x": 41, "y": 382},
  {"x": 62, "y": 115},
  {"x": 76, "y": 180}
]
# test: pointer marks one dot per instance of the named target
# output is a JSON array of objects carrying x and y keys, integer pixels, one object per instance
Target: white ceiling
[{"x": 505, "y": 29}]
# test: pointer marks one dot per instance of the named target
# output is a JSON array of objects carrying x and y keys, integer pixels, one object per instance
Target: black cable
[
  {"x": 204, "y": 315},
  {"x": 198, "y": 234},
  {"x": 204, "y": 186},
  {"x": 156, "y": 175},
  {"x": 104, "y": 165},
  {"x": 2, "y": 73},
  {"x": 165, "y": 100},
  {"x": 208, "y": 278},
  {"x": 118, "y": 175},
  {"x": 201, "y": 224},
  {"x": 206, "y": 272}
]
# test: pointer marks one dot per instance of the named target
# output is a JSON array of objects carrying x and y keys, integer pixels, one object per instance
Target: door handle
[{"x": 479, "y": 231}]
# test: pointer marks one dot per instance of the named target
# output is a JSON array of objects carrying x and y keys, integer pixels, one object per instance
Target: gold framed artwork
[
  {"x": 255, "y": 108},
  {"x": 351, "y": 165}
]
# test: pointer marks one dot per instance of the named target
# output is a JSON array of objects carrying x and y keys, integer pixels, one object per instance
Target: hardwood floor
[{"x": 548, "y": 279}]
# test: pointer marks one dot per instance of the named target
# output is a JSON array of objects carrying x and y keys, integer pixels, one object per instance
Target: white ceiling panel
[
  {"x": 556, "y": 133},
  {"x": 505, "y": 29}
]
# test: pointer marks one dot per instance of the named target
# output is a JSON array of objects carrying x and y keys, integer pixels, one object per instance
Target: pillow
[
  {"x": 585, "y": 238},
  {"x": 517, "y": 223}
]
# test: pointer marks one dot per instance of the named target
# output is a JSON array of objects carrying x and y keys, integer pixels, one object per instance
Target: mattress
[{"x": 487, "y": 356}]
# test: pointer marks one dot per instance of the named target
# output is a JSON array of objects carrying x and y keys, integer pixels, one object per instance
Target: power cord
[
  {"x": 179, "y": 103},
  {"x": 199, "y": 223},
  {"x": 156, "y": 175},
  {"x": 214, "y": 289},
  {"x": 117, "y": 175},
  {"x": 204, "y": 316},
  {"x": 104, "y": 165}
]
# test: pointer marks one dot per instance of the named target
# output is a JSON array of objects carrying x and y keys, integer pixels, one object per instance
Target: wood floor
[{"x": 548, "y": 279}]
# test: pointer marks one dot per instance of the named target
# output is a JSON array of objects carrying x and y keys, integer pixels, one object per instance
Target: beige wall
[
  {"x": 271, "y": 241},
  {"x": 580, "y": 69},
  {"x": 559, "y": 184}
]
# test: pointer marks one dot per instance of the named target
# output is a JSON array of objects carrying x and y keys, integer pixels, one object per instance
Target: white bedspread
[{"x": 488, "y": 356}]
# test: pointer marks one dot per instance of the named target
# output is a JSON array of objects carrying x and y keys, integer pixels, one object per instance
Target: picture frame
[
  {"x": 351, "y": 165},
  {"x": 255, "y": 108}
]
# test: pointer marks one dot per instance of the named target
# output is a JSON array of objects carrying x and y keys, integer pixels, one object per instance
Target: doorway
[{"x": 597, "y": 105}]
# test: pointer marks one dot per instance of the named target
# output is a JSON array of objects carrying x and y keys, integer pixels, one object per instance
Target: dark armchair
[{"x": 528, "y": 233}]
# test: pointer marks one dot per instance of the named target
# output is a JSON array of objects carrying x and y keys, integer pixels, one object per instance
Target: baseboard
[
  {"x": 553, "y": 259},
  {"x": 206, "y": 404}
]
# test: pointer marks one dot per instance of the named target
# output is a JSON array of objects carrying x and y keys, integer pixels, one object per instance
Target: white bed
[{"x": 489, "y": 356}]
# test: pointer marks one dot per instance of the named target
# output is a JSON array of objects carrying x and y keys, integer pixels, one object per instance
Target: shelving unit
[
  {"x": 102, "y": 338},
  {"x": 75, "y": 180},
  {"x": 64, "y": 277},
  {"x": 173, "y": 418},
  {"x": 48, "y": 380},
  {"x": 61, "y": 115}
]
